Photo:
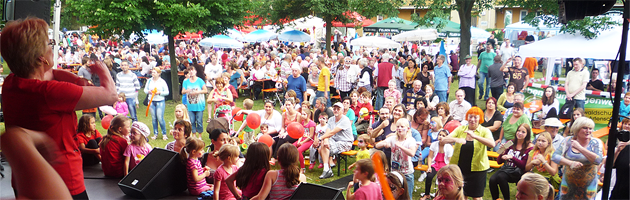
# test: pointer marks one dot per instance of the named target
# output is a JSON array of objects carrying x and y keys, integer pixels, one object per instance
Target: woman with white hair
[
  {"x": 581, "y": 155},
  {"x": 365, "y": 76}
]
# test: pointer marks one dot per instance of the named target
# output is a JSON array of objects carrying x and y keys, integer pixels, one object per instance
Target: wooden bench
[
  {"x": 495, "y": 165},
  {"x": 601, "y": 132},
  {"x": 422, "y": 167},
  {"x": 356, "y": 143},
  {"x": 343, "y": 156},
  {"x": 492, "y": 154}
]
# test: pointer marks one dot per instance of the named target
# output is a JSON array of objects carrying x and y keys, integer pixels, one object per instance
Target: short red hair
[{"x": 475, "y": 111}]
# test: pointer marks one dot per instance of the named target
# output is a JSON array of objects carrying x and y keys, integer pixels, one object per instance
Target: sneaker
[
  {"x": 311, "y": 166},
  {"x": 164, "y": 138},
  {"x": 320, "y": 166},
  {"x": 154, "y": 137},
  {"x": 422, "y": 177},
  {"x": 326, "y": 174},
  {"x": 332, "y": 165}
]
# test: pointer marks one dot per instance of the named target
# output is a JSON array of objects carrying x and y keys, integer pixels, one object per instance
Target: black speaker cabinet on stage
[
  {"x": 158, "y": 175},
  {"x": 16, "y": 9},
  {"x": 313, "y": 191}
]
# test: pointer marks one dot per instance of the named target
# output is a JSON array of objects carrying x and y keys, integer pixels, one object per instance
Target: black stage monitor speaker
[
  {"x": 158, "y": 175},
  {"x": 313, "y": 191},
  {"x": 577, "y": 9},
  {"x": 16, "y": 9}
]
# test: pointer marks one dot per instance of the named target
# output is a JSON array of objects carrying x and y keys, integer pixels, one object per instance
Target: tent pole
[{"x": 612, "y": 136}]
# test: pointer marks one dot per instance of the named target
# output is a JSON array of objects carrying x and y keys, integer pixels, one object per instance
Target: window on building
[{"x": 523, "y": 14}]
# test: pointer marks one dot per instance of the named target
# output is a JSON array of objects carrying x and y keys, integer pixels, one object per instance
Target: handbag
[
  {"x": 566, "y": 110},
  {"x": 146, "y": 101},
  {"x": 512, "y": 171}
]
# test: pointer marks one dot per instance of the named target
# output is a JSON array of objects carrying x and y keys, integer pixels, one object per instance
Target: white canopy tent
[
  {"x": 605, "y": 46},
  {"x": 416, "y": 35},
  {"x": 375, "y": 41}
]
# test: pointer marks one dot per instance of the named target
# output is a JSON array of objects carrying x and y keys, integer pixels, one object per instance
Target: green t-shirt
[
  {"x": 486, "y": 59},
  {"x": 246, "y": 129},
  {"x": 509, "y": 130}
]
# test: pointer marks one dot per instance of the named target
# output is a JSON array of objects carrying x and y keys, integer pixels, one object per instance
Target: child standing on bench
[
  {"x": 403, "y": 148},
  {"x": 363, "y": 152}
]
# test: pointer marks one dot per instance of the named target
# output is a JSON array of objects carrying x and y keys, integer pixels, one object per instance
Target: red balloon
[
  {"x": 253, "y": 120},
  {"x": 106, "y": 120},
  {"x": 295, "y": 130},
  {"x": 237, "y": 117},
  {"x": 266, "y": 139},
  {"x": 452, "y": 125}
]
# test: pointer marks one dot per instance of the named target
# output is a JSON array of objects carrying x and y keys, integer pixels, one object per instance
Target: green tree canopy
[
  {"x": 279, "y": 11},
  {"x": 124, "y": 17}
]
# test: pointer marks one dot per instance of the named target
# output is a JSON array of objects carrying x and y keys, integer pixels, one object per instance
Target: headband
[{"x": 400, "y": 178}]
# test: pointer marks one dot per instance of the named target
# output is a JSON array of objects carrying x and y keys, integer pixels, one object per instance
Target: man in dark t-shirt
[
  {"x": 518, "y": 74},
  {"x": 321, "y": 107},
  {"x": 595, "y": 84}
]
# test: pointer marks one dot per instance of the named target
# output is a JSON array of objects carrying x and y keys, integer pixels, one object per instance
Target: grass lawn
[{"x": 312, "y": 175}]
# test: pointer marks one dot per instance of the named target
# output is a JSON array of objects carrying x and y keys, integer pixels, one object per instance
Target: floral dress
[{"x": 222, "y": 108}]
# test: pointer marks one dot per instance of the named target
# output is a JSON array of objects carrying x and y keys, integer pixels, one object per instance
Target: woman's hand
[
  {"x": 429, "y": 169},
  {"x": 575, "y": 165},
  {"x": 575, "y": 144},
  {"x": 507, "y": 157}
]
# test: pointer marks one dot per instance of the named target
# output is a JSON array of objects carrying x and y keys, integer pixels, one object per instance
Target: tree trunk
[
  {"x": 174, "y": 68},
  {"x": 328, "y": 34},
  {"x": 465, "y": 15}
]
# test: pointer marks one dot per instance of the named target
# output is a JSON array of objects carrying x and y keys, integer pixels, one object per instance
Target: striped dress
[
  {"x": 279, "y": 190},
  {"x": 195, "y": 187}
]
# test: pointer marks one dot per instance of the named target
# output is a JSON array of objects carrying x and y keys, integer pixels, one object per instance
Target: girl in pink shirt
[
  {"x": 229, "y": 155},
  {"x": 393, "y": 91},
  {"x": 121, "y": 106}
]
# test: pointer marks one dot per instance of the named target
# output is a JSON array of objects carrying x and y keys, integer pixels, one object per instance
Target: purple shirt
[{"x": 467, "y": 76}]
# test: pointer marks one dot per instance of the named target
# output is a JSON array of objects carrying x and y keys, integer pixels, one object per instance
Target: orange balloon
[
  {"x": 106, "y": 120},
  {"x": 253, "y": 120},
  {"x": 379, "y": 170},
  {"x": 295, "y": 130},
  {"x": 237, "y": 117},
  {"x": 266, "y": 139}
]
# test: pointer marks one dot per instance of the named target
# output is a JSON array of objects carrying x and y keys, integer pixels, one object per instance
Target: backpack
[{"x": 567, "y": 110}]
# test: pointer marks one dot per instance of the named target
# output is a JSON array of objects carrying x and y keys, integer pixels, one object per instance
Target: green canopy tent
[{"x": 391, "y": 25}]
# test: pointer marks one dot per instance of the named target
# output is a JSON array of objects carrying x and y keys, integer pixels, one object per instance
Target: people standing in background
[
  {"x": 486, "y": 59},
  {"x": 595, "y": 84},
  {"x": 576, "y": 82},
  {"x": 443, "y": 78},
  {"x": 467, "y": 80}
]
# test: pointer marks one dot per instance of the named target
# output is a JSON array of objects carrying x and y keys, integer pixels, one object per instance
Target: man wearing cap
[
  {"x": 467, "y": 80},
  {"x": 338, "y": 138},
  {"x": 552, "y": 125}
]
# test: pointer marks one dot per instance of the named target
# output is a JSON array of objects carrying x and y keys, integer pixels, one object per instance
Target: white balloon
[{"x": 108, "y": 110}]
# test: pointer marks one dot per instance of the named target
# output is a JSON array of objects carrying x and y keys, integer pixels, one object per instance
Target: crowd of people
[{"x": 395, "y": 101}]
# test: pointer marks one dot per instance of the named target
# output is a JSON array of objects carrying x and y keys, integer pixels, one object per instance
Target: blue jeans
[
  {"x": 157, "y": 114},
  {"x": 557, "y": 70},
  {"x": 579, "y": 103},
  {"x": 131, "y": 104},
  {"x": 483, "y": 77},
  {"x": 442, "y": 95},
  {"x": 196, "y": 120},
  {"x": 380, "y": 98},
  {"x": 323, "y": 94},
  {"x": 409, "y": 178},
  {"x": 425, "y": 154},
  {"x": 625, "y": 85}
]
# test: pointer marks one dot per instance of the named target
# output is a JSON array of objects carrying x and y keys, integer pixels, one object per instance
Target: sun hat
[
  {"x": 142, "y": 129},
  {"x": 553, "y": 122}
]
